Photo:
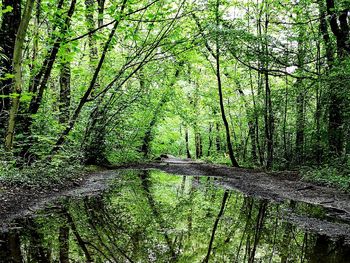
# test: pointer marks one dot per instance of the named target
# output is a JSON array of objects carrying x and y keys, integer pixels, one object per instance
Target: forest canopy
[{"x": 249, "y": 83}]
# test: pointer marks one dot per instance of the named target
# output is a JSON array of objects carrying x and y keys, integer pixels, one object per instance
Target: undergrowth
[
  {"x": 40, "y": 173},
  {"x": 335, "y": 173}
]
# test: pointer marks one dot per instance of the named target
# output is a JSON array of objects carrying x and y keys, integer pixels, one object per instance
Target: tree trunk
[
  {"x": 64, "y": 101},
  {"x": 216, "y": 56},
  {"x": 285, "y": 111},
  {"x": 9, "y": 27},
  {"x": 101, "y": 6},
  {"x": 187, "y": 144},
  {"x": 198, "y": 143},
  {"x": 218, "y": 77},
  {"x": 269, "y": 122},
  {"x": 17, "y": 70},
  {"x": 300, "y": 101},
  {"x": 251, "y": 124},
  {"x": 223, "y": 115},
  {"x": 300, "y": 120},
  {"x": 256, "y": 144},
  {"x": 330, "y": 61},
  {"x": 341, "y": 30},
  {"x": 210, "y": 139},
  {"x": 217, "y": 138},
  {"x": 89, "y": 18}
]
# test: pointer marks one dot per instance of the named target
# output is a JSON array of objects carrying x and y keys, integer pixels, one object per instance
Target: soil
[{"x": 17, "y": 201}]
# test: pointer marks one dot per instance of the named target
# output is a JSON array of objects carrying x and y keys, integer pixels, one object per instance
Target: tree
[
  {"x": 216, "y": 55},
  {"x": 17, "y": 70},
  {"x": 11, "y": 18}
]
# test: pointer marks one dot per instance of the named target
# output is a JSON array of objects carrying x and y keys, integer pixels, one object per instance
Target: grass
[
  {"x": 39, "y": 174},
  {"x": 335, "y": 174}
]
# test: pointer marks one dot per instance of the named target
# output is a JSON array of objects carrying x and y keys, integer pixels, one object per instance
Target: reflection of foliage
[{"x": 154, "y": 217}]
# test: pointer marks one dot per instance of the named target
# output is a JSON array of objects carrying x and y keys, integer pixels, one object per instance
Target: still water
[{"x": 151, "y": 216}]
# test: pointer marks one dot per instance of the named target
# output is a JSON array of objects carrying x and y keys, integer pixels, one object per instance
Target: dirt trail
[{"x": 279, "y": 186}]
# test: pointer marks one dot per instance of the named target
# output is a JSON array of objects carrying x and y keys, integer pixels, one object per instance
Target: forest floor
[{"x": 279, "y": 186}]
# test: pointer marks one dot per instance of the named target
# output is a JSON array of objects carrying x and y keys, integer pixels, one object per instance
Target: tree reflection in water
[{"x": 155, "y": 217}]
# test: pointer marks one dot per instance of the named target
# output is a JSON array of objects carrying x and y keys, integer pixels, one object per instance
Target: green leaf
[
  {"x": 26, "y": 96},
  {"x": 7, "y": 9}
]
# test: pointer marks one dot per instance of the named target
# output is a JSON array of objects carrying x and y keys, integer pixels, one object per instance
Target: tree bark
[
  {"x": 223, "y": 115},
  {"x": 187, "y": 144},
  {"x": 101, "y": 6},
  {"x": 300, "y": 120},
  {"x": 269, "y": 121},
  {"x": 218, "y": 76},
  {"x": 198, "y": 143},
  {"x": 216, "y": 55},
  {"x": 89, "y": 18},
  {"x": 318, "y": 149},
  {"x": 64, "y": 101},
  {"x": 300, "y": 101},
  {"x": 41, "y": 79},
  {"x": 10, "y": 22},
  {"x": 341, "y": 30},
  {"x": 17, "y": 70},
  {"x": 285, "y": 114},
  {"x": 210, "y": 139},
  {"x": 217, "y": 138}
]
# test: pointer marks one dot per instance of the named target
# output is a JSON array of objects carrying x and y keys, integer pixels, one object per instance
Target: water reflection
[{"x": 154, "y": 217}]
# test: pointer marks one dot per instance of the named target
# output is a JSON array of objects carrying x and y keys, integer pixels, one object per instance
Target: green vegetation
[
  {"x": 246, "y": 83},
  {"x": 336, "y": 174}
]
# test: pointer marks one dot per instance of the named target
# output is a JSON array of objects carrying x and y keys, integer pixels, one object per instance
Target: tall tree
[
  {"x": 11, "y": 18},
  {"x": 339, "y": 24},
  {"x": 300, "y": 101},
  {"x": 216, "y": 55},
  {"x": 17, "y": 72}
]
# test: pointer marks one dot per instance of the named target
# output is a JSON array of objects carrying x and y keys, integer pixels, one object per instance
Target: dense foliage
[{"x": 252, "y": 83}]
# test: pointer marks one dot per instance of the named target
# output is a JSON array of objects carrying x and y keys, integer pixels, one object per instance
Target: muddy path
[{"x": 19, "y": 202}]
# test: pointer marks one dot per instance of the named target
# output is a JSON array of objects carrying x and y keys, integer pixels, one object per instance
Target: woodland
[{"x": 247, "y": 83}]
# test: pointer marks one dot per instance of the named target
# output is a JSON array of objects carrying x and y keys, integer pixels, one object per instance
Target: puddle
[{"x": 151, "y": 216}]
